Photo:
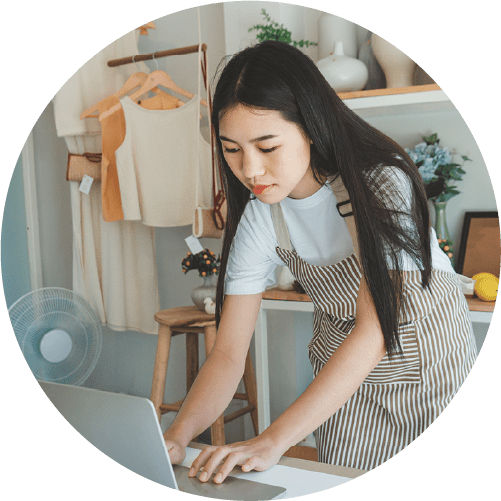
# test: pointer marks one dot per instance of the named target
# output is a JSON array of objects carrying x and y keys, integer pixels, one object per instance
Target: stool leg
[
  {"x": 250, "y": 389},
  {"x": 192, "y": 362},
  {"x": 160, "y": 368},
  {"x": 217, "y": 428}
]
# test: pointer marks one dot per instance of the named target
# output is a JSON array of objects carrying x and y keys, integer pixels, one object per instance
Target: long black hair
[{"x": 276, "y": 76}]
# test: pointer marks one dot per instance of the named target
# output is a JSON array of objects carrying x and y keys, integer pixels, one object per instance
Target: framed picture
[{"x": 480, "y": 248}]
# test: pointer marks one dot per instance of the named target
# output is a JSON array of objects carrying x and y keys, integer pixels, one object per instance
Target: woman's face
[{"x": 268, "y": 154}]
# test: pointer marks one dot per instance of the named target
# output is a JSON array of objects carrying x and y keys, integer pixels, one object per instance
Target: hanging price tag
[
  {"x": 86, "y": 184},
  {"x": 194, "y": 244}
]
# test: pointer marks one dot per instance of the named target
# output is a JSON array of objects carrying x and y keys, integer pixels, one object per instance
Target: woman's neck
[{"x": 307, "y": 187}]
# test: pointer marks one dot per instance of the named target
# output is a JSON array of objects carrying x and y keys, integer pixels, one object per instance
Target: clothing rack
[
  {"x": 219, "y": 197},
  {"x": 155, "y": 55}
]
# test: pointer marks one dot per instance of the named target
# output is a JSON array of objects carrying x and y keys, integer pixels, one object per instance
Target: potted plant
[
  {"x": 208, "y": 266},
  {"x": 274, "y": 31},
  {"x": 439, "y": 173}
]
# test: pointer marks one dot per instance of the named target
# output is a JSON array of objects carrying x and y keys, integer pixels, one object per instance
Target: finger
[
  {"x": 213, "y": 462},
  {"x": 200, "y": 461},
  {"x": 232, "y": 459},
  {"x": 253, "y": 463}
]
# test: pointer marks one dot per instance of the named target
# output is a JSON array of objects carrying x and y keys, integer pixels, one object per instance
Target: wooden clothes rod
[{"x": 154, "y": 55}]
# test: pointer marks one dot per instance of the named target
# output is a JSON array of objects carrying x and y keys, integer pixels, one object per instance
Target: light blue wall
[{"x": 15, "y": 264}]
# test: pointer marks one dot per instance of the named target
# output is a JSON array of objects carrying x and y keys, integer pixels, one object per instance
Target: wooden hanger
[
  {"x": 155, "y": 78},
  {"x": 135, "y": 80},
  {"x": 143, "y": 30}
]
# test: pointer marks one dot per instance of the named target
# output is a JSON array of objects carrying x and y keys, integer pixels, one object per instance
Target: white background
[{"x": 44, "y": 42}]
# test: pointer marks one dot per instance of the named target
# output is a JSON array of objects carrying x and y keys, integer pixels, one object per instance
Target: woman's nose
[{"x": 252, "y": 166}]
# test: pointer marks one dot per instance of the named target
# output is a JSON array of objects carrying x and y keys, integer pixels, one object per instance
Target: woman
[{"x": 392, "y": 338}]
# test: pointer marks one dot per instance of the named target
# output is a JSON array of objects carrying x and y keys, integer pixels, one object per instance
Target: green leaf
[{"x": 432, "y": 139}]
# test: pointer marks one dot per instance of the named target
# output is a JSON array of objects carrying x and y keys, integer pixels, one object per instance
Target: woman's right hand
[{"x": 177, "y": 452}]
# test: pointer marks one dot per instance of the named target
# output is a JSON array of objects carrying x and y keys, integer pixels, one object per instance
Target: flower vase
[
  {"x": 442, "y": 230},
  {"x": 332, "y": 29},
  {"x": 398, "y": 68},
  {"x": 207, "y": 289},
  {"x": 342, "y": 72}
]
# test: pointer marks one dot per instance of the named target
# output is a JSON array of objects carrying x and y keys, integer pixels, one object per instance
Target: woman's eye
[
  {"x": 268, "y": 150},
  {"x": 231, "y": 150}
]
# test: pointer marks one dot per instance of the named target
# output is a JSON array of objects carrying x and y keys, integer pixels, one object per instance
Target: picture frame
[{"x": 480, "y": 249}]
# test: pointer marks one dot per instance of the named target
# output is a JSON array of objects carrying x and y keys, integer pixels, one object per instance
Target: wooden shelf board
[
  {"x": 417, "y": 98},
  {"x": 387, "y": 92},
  {"x": 474, "y": 303}
]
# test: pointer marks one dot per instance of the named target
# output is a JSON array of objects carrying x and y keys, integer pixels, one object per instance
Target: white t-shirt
[{"x": 317, "y": 231}]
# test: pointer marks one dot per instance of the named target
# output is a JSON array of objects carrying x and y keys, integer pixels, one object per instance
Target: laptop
[{"x": 126, "y": 428}]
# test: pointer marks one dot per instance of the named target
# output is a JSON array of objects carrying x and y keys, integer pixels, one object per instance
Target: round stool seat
[{"x": 184, "y": 315}]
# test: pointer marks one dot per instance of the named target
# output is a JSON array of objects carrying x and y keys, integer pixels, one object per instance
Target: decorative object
[
  {"x": 343, "y": 73},
  {"x": 207, "y": 265},
  {"x": 442, "y": 230},
  {"x": 205, "y": 291},
  {"x": 209, "y": 306},
  {"x": 363, "y": 34},
  {"x": 274, "y": 31},
  {"x": 376, "y": 79},
  {"x": 439, "y": 173},
  {"x": 332, "y": 29},
  {"x": 479, "y": 250},
  {"x": 467, "y": 284},
  {"x": 398, "y": 68},
  {"x": 436, "y": 166},
  {"x": 421, "y": 77},
  {"x": 486, "y": 288}
]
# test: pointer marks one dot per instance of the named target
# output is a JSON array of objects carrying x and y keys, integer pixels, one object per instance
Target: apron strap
[
  {"x": 344, "y": 203},
  {"x": 345, "y": 210},
  {"x": 281, "y": 230}
]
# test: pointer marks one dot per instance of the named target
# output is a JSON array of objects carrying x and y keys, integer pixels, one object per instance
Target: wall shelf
[{"x": 415, "y": 99}]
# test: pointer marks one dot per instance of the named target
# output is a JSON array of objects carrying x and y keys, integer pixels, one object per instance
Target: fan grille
[{"x": 42, "y": 310}]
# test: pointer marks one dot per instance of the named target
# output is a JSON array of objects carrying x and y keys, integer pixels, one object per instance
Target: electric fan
[{"x": 59, "y": 334}]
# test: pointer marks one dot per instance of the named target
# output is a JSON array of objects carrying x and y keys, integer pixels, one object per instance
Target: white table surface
[{"x": 298, "y": 481}]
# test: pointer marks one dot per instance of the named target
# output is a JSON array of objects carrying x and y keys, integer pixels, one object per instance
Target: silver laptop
[{"x": 126, "y": 429}]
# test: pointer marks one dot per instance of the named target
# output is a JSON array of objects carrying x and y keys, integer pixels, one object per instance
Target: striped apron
[{"x": 401, "y": 397}]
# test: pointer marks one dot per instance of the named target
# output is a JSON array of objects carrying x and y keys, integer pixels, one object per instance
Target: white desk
[
  {"x": 274, "y": 299},
  {"x": 298, "y": 476}
]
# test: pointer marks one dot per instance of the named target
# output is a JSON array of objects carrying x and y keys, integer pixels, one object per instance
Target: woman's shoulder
[{"x": 256, "y": 212}]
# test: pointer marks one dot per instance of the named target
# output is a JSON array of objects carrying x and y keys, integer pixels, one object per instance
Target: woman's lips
[{"x": 259, "y": 188}]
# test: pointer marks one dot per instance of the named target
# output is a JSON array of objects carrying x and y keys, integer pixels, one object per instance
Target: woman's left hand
[{"x": 255, "y": 454}]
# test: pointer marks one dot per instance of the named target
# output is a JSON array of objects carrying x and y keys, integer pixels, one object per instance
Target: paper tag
[
  {"x": 194, "y": 244},
  {"x": 86, "y": 184}
]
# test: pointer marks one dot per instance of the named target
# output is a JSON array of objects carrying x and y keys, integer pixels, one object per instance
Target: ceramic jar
[
  {"x": 376, "y": 78},
  {"x": 332, "y": 29},
  {"x": 343, "y": 73},
  {"x": 207, "y": 289},
  {"x": 398, "y": 68}
]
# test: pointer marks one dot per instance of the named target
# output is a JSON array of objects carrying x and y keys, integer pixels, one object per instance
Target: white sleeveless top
[{"x": 158, "y": 163}]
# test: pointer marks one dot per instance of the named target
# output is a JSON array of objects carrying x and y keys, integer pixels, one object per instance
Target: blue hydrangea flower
[{"x": 428, "y": 157}]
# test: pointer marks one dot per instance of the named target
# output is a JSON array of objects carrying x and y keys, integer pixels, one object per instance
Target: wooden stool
[{"x": 191, "y": 321}]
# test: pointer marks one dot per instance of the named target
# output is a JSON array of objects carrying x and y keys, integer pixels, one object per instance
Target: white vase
[
  {"x": 398, "y": 67},
  {"x": 206, "y": 290},
  {"x": 343, "y": 73},
  {"x": 363, "y": 34},
  {"x": 376, "y": 78},
  {"x": 332, "y": 29}
]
